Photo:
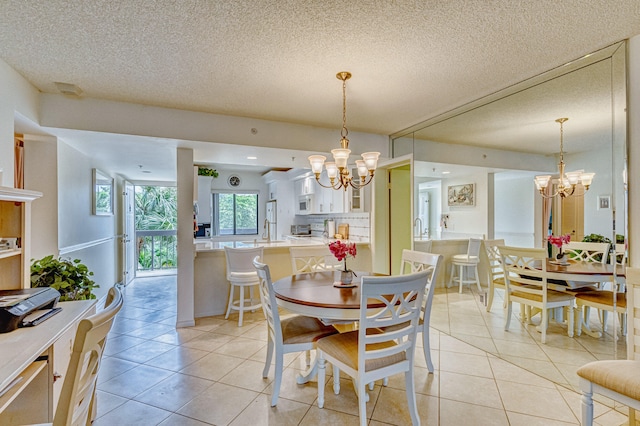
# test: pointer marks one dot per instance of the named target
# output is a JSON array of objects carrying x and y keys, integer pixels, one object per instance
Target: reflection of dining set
[
  {"x": 368, "y": 329},
  {"x": 589, "y": 277}
]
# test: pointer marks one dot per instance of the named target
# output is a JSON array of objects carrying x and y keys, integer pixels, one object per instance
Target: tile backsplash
[{"x": 359, "y": 224}]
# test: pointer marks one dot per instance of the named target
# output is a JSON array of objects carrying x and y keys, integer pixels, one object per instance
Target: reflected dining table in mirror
[{"x": 580, "y": 273}]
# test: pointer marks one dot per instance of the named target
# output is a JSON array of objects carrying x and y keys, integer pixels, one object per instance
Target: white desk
[{"x": 18, "y": 351}]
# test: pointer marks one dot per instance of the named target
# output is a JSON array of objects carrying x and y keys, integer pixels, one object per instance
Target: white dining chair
[
  {"x": 416, "y": 261},
  {"x": 525, "y": 273},
  {"x": 617, "y": 379},
  {"x": 312, "y": 259},
  {"x": 465, "y": 264},
  {"x": 495, "y": 270},
  {"x": 378, "y": 349},
  {"x": 293, "y": 334},
  {"x": 77, "y": 397},
  {"x": 586, "y": 251},
  {"x": 242, "y": 274}
]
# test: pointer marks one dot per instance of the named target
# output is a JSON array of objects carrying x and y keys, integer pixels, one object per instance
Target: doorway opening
[{"x": 153, "y": 250}]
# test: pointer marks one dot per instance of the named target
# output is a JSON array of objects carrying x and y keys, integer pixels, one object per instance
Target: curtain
[{"x": 18, "y": 169}]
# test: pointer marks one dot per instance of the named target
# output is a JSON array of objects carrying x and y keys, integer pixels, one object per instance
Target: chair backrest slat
[
  {"x": 525, "y": 268},
  {"x": 241, "y": 259},
  {"x": 78, "y": 389},
  {"x": 402, "y": 297},
  {"x": 312, "y": 259},
  {"x": 495, "y": 269},
  {"x": 473, "y": 249},
  {"x": 588, "y": 252},
  {"x": 268, "y": 299},
  {"x": 416, "y": 261}
]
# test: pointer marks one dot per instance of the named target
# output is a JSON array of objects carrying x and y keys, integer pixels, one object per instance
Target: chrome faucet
[
  {"x": 418, "y": 222},
  {"x": 267, "y": 230}
]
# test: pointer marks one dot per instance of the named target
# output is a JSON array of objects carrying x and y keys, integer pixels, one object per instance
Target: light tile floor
[{"x": 153, "y": 373}]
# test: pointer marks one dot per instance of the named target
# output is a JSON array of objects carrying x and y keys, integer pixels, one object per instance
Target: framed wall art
[
  {"x": 604, "y": 202},
  {"x": 461, "y": 195}
]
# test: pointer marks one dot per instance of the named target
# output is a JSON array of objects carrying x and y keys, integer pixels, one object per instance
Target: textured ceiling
[{"x": 277, "y": 60}]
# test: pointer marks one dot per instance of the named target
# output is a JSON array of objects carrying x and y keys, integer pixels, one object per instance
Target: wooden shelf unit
[{"x": 15, "y": 222}]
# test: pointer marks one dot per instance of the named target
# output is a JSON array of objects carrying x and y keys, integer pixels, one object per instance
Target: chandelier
[
  {"x": 567, "y": 182},
  {"x": 338, "y": 171}
]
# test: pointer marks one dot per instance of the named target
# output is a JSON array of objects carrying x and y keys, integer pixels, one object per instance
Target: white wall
[
  {"x": 466, "y": 220},
  {"x": 81, "y": 235},
  {"x": 600, "y": 162},
  {"x": 17, "y": 98},
  {"x": 514, "y": 219},
  {"x": 41, "y": 174}
]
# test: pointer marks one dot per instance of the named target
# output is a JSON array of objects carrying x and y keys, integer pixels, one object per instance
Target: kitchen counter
[
  {"x": 211, "y": 288},
  {"x": 205, "y": 245}
]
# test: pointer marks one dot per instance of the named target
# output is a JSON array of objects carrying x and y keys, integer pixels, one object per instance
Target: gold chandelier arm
[
  {"x": 332, "y": 185},
  {"x": 359, "y": 185}
]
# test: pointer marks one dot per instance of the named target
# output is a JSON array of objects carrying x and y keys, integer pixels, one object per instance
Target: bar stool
[
  {"x": 241, "y": 273},
  {"x": 464, "y": 263}
]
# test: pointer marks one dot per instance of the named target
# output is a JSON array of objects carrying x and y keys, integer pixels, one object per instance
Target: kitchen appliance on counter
[
  {"x": 317, "y": 230},
  {"x": 330, "y": 227},
  {"x": 301, "y": 230}
]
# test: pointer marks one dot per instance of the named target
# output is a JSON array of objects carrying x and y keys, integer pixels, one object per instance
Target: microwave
[{"x": 304, "y": 204}]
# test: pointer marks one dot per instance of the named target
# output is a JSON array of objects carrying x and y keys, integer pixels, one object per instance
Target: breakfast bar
[{"x": 211, "y": 289}]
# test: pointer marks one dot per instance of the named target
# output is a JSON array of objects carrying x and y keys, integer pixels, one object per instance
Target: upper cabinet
[
  {"x": 304, "y": 186},
  {"x": 15, "y": 228}
]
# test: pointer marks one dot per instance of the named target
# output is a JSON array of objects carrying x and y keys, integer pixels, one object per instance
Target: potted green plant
[{"x": 70, "y": 277}]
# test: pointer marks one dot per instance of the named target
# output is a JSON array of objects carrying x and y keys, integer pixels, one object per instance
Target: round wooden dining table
[
  {"x": 580, "y": 274},
  {"x": 313, "y": 294}
]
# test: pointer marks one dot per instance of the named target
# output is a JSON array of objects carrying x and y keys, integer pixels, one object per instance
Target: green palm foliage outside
[{"x": 156, "y": 209}]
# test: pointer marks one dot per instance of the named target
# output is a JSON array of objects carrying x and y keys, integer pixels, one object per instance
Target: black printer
[{"x": 27, "y": 307}]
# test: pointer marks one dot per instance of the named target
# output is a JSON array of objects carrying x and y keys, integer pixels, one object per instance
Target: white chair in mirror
[
  {"x": 495, "y": 270},
  {"x": 587, "y": 252},
  {"x": 465, "y": 264},
  {"x": 525, "y": 273}
]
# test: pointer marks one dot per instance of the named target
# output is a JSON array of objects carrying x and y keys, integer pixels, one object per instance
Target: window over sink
[{"x": 234, "y": 213}]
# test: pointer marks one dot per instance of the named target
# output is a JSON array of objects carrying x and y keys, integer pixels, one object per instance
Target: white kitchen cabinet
[
  {"x": 272, "y": 189},
  {"x": 327, "y": 200},
  {"x": 354, "y": 197},
  {"x": 304, "y": 185},
  {"x": 204, "y": 199}
]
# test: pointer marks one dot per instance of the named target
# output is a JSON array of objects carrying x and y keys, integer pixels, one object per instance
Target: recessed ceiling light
[
  {"x": 445, "y": 173},
  {"x": 252, "y": 158}
]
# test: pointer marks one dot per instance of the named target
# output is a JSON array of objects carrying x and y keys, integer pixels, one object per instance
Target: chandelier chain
[{"x": 344, "y": 132}]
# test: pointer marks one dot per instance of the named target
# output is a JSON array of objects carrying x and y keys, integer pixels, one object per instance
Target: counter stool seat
[
  {"x": 465, "y": 263},
  {"x": 241, "y": 273}
]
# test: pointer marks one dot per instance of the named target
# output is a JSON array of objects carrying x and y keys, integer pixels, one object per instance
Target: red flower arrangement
[
  {"x": 342, "y": 250},
  {"x": 558, "y": 241}
]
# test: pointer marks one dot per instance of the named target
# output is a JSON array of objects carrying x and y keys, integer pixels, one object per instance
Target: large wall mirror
[{"x": 498, "y": 144}]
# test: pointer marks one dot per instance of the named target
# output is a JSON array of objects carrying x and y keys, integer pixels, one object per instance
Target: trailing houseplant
[
  {"x": 205, "y": 171},
  {"x": 70, "y": 277}
]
